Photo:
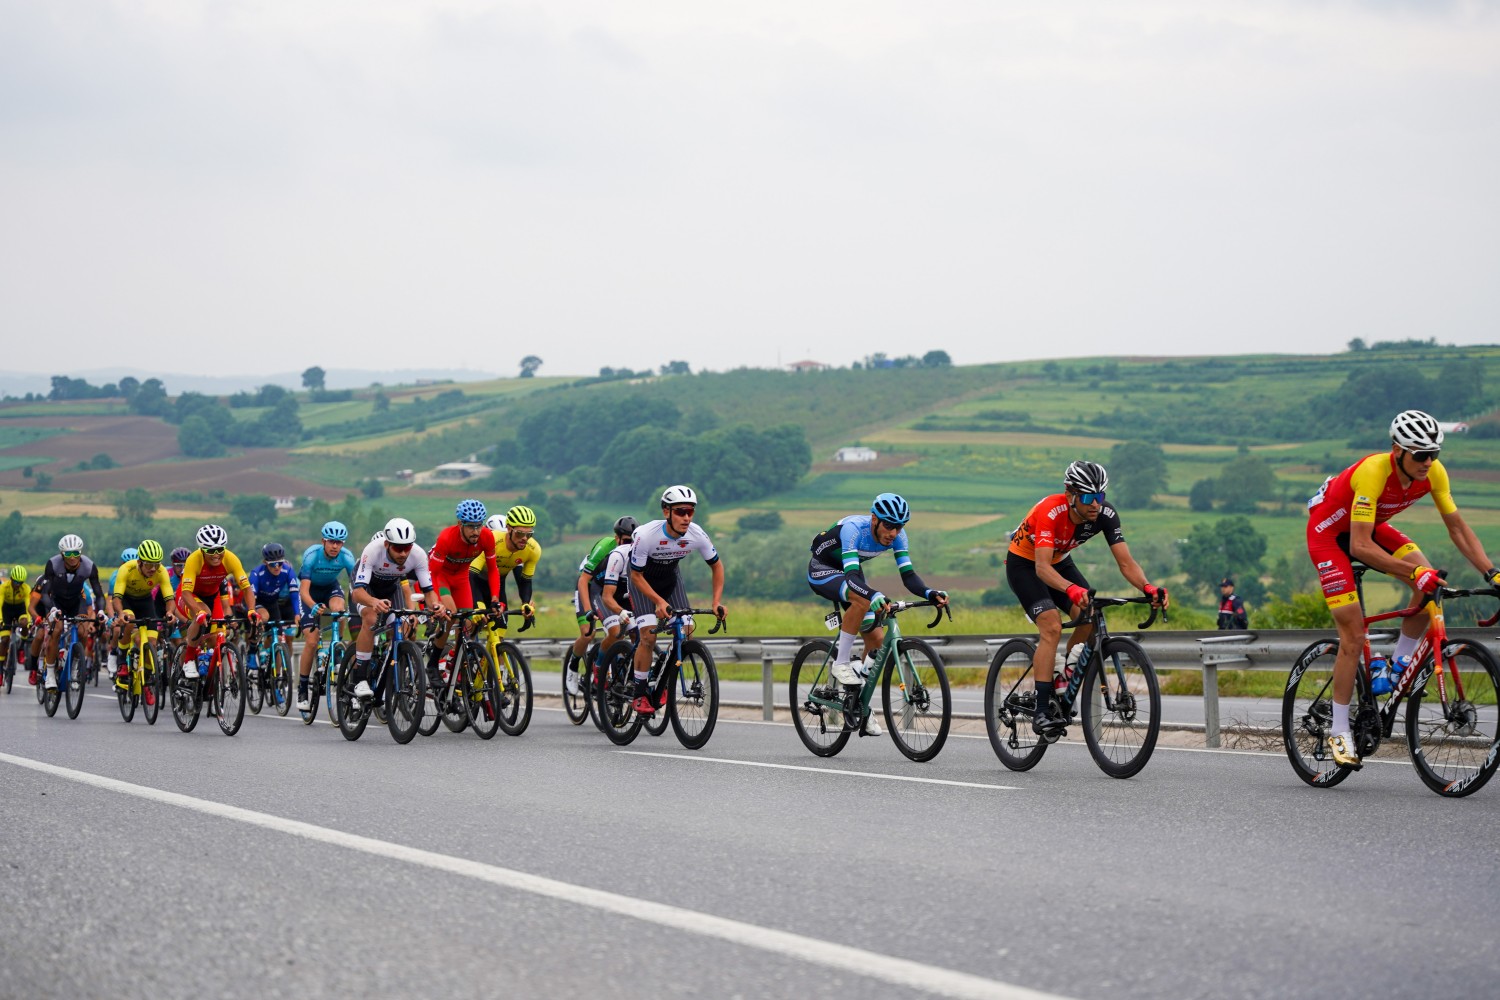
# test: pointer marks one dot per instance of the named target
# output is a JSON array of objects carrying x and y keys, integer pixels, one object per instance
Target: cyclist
[
  {"x": 61, "y": 585},
  {"x": 318, "y": 585},
  {"x": 204, "y": 577},
  {"x": 15, "y": 601},
  {"x": 1349, "y": 518},
  {"x": 655, "y": 550},
  {"x": 278, "y": 598},
  {"x": 517, "y": 554},
  {"x": 179, "y": 560},
  {"x": 141, "y": 588},
  {"x": 112, "y": 629},
  {"x": 588, "y": 604},
  {"x": 457, "y": 546},
  {"x": 1040, "y": 571},
  {"x": 836, "y": 572},
  {"x": 377, "y": 589}
]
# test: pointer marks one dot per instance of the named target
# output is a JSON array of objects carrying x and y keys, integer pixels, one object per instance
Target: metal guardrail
[{"x": 1266, "y": 649}]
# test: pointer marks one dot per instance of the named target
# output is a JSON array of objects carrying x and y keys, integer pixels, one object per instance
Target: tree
[
  {"x": 1358, "y": 344},
  {"x": 128, "y": 387},
  {"x": 197, "y": 439},
  {"x": 936, "y": 359},
  {"x": 1231, "y": 546},
  {"x": 313, "y": 378},
  {"x": 1244, "y": 481},
  {"x": 135, "y": 504},
  {"x": 150, "y": 399},
  {"x": 761, "y": 520},
  {"x": 676, "y": 368},
  {"x": 1137, "y": 471},
  {"x": 372, "y": 488},
  {"x": 253, "y": 510},
  {"x": 529, "y": 365},
  {"x": 563, "y": 510},
  {"x": 1201, "y": 497},
  {"x": 381, "y": 400}
]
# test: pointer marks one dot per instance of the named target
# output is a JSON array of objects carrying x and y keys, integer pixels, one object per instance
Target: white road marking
[
  {"x": 820, "y": 770},
  {"x": 817, "y": 951}
]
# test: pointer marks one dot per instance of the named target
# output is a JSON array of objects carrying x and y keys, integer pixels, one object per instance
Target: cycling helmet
[
  {"x": 626, "y": 525},
  {"x": 272, "y": 552},
  {"x": 149, "y": 551},
  {"x": 520, "y": 516},
  {"x": 1416, "y": 431},
  {"x": 400, "y": 531},
  {"x": 180, "y": 555},
  {"x": 18, "y": 573},
  {"x": 679, "y": 494},
  {"x": 1086, "y": 477},
  {"x": 126, "y": 555},
  {"x": 891, "y": 509},
  {"x": 70, "y": 543},
  {"x": 335, "y": 531},
  {"x": 495, "y": 522},
  {"x": 211, "y": 536},
  {"x": 379, "y": 536},
  {"x": 470, "y": 511}
]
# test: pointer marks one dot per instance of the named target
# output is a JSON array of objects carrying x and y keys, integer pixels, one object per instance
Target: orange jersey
[
  {"x": 1049, "y": 526},
  {"x": 1370, "y": 491}
]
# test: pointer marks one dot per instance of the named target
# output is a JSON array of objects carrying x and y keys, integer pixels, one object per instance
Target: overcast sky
[{"x": 362, "y": 183}]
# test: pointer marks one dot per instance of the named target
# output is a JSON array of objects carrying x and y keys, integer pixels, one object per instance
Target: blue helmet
[
  {"x": 127, "y": 555},
  {"x": 471, "y": 512},
  {"x": 891, "y": 509},
  {"x": 335, "y": 531}
]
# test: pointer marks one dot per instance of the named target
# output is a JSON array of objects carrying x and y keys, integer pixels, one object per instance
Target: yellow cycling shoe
[{"x": 1343, "y": 750}]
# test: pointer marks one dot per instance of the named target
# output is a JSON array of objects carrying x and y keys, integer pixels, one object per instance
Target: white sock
[
  {"x": 846, "y": 645},
  {"x": 1340, "y": 719},
  {"x": 1406, "y": 645}
]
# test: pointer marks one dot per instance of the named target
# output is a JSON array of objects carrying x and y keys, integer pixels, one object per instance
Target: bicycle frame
[{"x": 910, "y": 682}]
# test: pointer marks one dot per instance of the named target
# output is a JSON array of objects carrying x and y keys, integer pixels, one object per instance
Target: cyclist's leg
[
  {"x": 585, "y": 632},
  {"x": 829, "y": 583},
  {"x": 1398, "y": 545}
]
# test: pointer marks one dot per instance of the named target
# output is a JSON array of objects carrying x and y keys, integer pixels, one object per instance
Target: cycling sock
[
  {"x": 190, "y": 652},
  {"x": 1340, "y": 718},
  {"x": 846, "y": 646},
  {"x": 1405, "y": 645}
]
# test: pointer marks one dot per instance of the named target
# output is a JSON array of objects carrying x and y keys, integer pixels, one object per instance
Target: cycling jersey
[
  {"x": 378, "y": 571},
  {"x": 452, "y": 557},
  {"x": 1050, "y": 526},
  {"x": 15, "y": 598},
  {"x": 616, "y": 576},
  {"x": 131, "y": 582},
  {"x": 593, "y": 564},
  {"x": 655, "y": 553},
  {"x": 65, "y": 589},
  {"x": 276, "y": 587},
  {"x": 507, "y": 559},
  {"x": 205, "y": 582},
  {"x": 1370, "y": 491}
]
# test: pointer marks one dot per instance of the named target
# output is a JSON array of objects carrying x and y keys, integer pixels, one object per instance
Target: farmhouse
[{"x": 855, "y": 453}]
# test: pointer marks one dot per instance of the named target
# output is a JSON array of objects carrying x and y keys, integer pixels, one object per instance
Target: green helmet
[
  {"x": 18, "y": 573},
  {"x": 149, "y": 551}
]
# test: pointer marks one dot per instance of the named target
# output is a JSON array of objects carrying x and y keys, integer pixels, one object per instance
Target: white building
[
  {"x": 1452, "y": 426},
  {"x": 454, "y": 472},
  {"x": 855, "y": 453}
]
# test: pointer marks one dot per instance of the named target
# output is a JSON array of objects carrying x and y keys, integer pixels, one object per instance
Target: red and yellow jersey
[
  {"x": 524, "y": 560},
  {"x": 1370, "y": 491},
  {"x": 1049, "y": 526},
  {"x": 205, "y": 582},
  {"x": 131, "y": 582}
]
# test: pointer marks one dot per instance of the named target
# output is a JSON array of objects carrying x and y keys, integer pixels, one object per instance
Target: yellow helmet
[
  {"x": 149, "y": 551},
  {"x": 18, "y": 573},
  {"x": 520, "y": 516}
]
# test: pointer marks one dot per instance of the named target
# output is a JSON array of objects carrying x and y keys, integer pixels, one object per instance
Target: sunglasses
[
  {"x": 1087, "y": 498},
  {"x": 522, "y": 534},
  {"x": 143, "y": 564},
  {"x": 398, "y": 549},
  {"x": 72, "y": 554},
  {"x": 1423, "y": 456},
  {"x": 217, "y": 550},
  {"x": 684, "y": 511}
]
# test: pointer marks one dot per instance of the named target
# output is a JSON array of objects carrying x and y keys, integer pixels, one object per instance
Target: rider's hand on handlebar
[
  {"x": 1492, "y": 576},
  {"x": 937, "y": 597},
  {"x": 528, "y": 611},
  {"x": 1426, "y": 579},
  {"x": 1157, "y": 594},
  {"x": 663, "y": 610},
  {"x": 1078, "y": 596}
]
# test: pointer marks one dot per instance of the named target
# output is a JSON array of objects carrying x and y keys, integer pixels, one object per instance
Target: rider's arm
[
  {"x": 584, "y": 604},
  {"x": 1129, "y": 568},
  {"x": 488, "y": 542},
  {"x": 1363, "y": 548},
  {"x": 1046, "y": 573},
  {"x": 913, "y": 583},
  {"x": 99, "y": 603},
  {"x": 1467, "y": 543},
  {"x": 717, "y": 568}
]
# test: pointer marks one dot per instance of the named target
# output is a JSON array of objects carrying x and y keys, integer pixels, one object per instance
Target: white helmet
[
  {"x": 679, "y": 494},
  {"x": 400, "y": 531},
  {"x": 211, "y": 536},
  {"x": 1416, "y": 431},
  {"x": 496, "y": 523},
  {"x": 379, "y": 536},
  {"x": 70, "y": 543}
]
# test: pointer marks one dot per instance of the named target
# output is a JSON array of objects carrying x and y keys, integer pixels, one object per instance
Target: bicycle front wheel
[
  {"x": 1010, "y": 704},
  {"x": 12, "y": 657},
  {"x": 693, "y": 701},
  {"x": 479, "y": 690},
  {"x": 614, "y": 695},
  {"x": 1121, "y": 708},
  {"x": 230, "y": 689},
  {"x": 820, "y": 726},
  {"x": 255, "y": 695},
  {"x": 77, "y": 666},
  {"x": 127, "y": 697},
  {"x": 405, "y": 692},
  {"x": 349, "y": 713},
  {"x": 1307, "y": 716},
  {"x": 914, "y": 695},
  {"x": 187, "y": 698},
  {"x": 281, "y": 679},
  {"x": 514, "y": 673},
  {"x": 1455, "y": 741}
]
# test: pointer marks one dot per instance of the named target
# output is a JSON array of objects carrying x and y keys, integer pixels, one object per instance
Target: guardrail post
[
  {"x": 1211, "y": 704},
  {"x": 767, "y": 697}
]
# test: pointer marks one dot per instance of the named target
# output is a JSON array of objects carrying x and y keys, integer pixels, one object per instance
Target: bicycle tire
[
  {"x": 73, "y": 691},
  {"x": 127, "y": 699},
  {"x": 281, "y": 676},
  {"x": 347, "y": 712},
  {"x": 12, "y": 658},
  {"x": 255, "y": 695},
  {"x": 1307, "y": 714},
  {"x": 656, "y": 723},
  {"x": 693, "y": 698},
  {"x": 454, "y": 713},
  {"x": 920, "y": 729},
  {"x": 231, "y": 691},
  {"x": 516, "y": 695},
  {"x": 480, "y": 684},
  {"x": 339, "y": 659},
  {"x": 1118, "y": 738},
  {"x": 1456, "y": 747},
  {"x": 187, "y": 699},
  {"x": 405, "y": 692},
  {"x": 614, "y": 697},
  {"x": 1009, "y": 707},
  {"x": 314, "y": 691},
  {"x": 821, "y": 729},
  {"x": 150, "y": 683},
  {"x": 576, "y": 706}
]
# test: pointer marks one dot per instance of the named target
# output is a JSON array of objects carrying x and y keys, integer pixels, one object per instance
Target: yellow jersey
[
  {"x": 131, "y": 582},
  {"x": 524, "y": 561},
  {"x": 14, "y": 594}
]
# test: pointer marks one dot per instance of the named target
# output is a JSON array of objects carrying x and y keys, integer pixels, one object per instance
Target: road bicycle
[
  {"x": 913, "y": 683},
  {"x": 396, "y": 677},
  {"x": 1453, "y": 738},
  {"x": 333, "y": 651},
  {"x": 469, "y": 691},
  {"x": 269, "y": 668},
  {"x": 140, "y": 684},
  {"x": 1113, "y": 684},
  {"x": 72, "y": 668},
  {"x": 17, "y": 653},
  {"x": 683, "y": 684},
  {"x": 220, "y": 681}
]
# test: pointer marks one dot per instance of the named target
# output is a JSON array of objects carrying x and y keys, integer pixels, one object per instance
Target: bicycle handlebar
[
  {"x": 1114, "y": 602},
  {"x": 721, "y": 622}
]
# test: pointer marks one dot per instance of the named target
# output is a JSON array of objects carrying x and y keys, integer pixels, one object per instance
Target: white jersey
[
  {"x": 617, "y": 566},
  {"x": 376, "y": 564},
  {"x": 655, "y": 552}
]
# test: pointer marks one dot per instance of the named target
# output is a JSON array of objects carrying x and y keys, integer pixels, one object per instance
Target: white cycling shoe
[
  {"x": 363, "y": 691},
  {"x": 845, "y": 673},
  {"x": 50, "y": 681},
  {"x": 570, "y": 678}
]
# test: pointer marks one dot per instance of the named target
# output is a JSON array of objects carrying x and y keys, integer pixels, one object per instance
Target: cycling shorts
[
  {"x": 457, "y": 584},
  {"x": 324, "y": 594},
  {"x": 1330, "y": 556},
  {"x": 607, "y": 618},
  {"x": 142, "y": 607},
  {"x": 830, "y": 583},
  {"x": 215, "y": 607},
  {"x": 645, "y": 611},
  {"x": 279, "y": 608},
  {"x": 1035, "y": 596},
  {"x": 10, "y": 612}
]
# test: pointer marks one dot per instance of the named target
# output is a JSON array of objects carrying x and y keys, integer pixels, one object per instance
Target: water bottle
[
  {"x": 1063, "y": 681},
  {"x": 1380, "y": 675},
  {"x": 204, "y": 659},
  {"x": 1398, "y": 666}
]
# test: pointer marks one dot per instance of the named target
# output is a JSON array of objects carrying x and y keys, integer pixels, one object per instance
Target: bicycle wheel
[
  {"x": 281, "y": 680},
  {"x": 340, "y": 660},
  {"x": 252, "y": 659},
  {"x": 693, "y": 698},
  {"x": 455, "y": 715},
  {"x": 1010, "y": 704},
  {"x": 127, "y": 698},
  {"x": 150, "y": 685},
  {"x": 1455, "y": 741},
  {"x": 231, "y": 691},
  {"x": 479, "y": 684},
  {"x": 614, "y": 696},
  {"x": 187, "y": 699},
  {"x": 1307, "y": 716},
  {"x": 12, "y": 657},
  {"x": 514, "y": 673},
  {"x": 74, "y": 689},
  {"x": 405, "y": 692},
  {"x": 315, "y": 682},
  {"x": 576, "y": 705},
  {"x": 347, "y": 711},
  {"x": 1121, "y": 708},
  {"x": 432, "y": 715},
  {"x": 919, "y": 710},
  {"x": 820, "y": 727}
]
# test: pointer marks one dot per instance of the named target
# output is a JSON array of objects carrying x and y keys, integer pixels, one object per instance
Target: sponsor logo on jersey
[
  {"x": 1325, "y": 565},
  {"x": 1363, "y": 505},
  {"x": 682, "y": 545},
  {"x": 1060, "y": 508},
  {"x": 1330, "y": 520}
]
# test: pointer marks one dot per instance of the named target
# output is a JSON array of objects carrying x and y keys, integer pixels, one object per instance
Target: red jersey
[
  {"x": 1371, "y": 491},
  {"x": 450, "y": 554}
]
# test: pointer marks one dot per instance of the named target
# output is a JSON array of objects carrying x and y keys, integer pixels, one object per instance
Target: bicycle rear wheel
[
  {"x": 230, "y": 689},
  {"x": 577, "y": 705},
  {"x": 281, "y": 679},
  {"x": 349, "y": 713},
  {"x": 513, "y": 672},
  {"x": 1121, "y": 708},
  {"x": 1307, "y": 716},
  {"x": 614, "y": 696},
  {"x": 12, "y": 658},
  {"x": 405, "y": 692},
  {"x": 126, "y": 696},
  {"x": 693, "y": 700},
  {"x": 1010, "y": 704},
  {"x": 78, "y": 665},
  {"x": 455, "y": 715},
  {"x": 479, "y": 691},
  {"x": 187, "y": 698},
  {"x": 915, "y": 698},
  {"x": 1455, "y": 742},
  {"x": 150, "y": 685},
  {"x": 820, "y": 727},
  {"x": 255, "y": 693}
]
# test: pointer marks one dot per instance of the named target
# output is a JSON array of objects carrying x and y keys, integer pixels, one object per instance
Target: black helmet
[
  {"x": 271, "y": 552},
  {"x": 626, "y": 525}
]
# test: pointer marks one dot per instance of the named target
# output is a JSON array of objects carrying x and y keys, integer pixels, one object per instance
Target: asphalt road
[{"x": 286, "y": 861}]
